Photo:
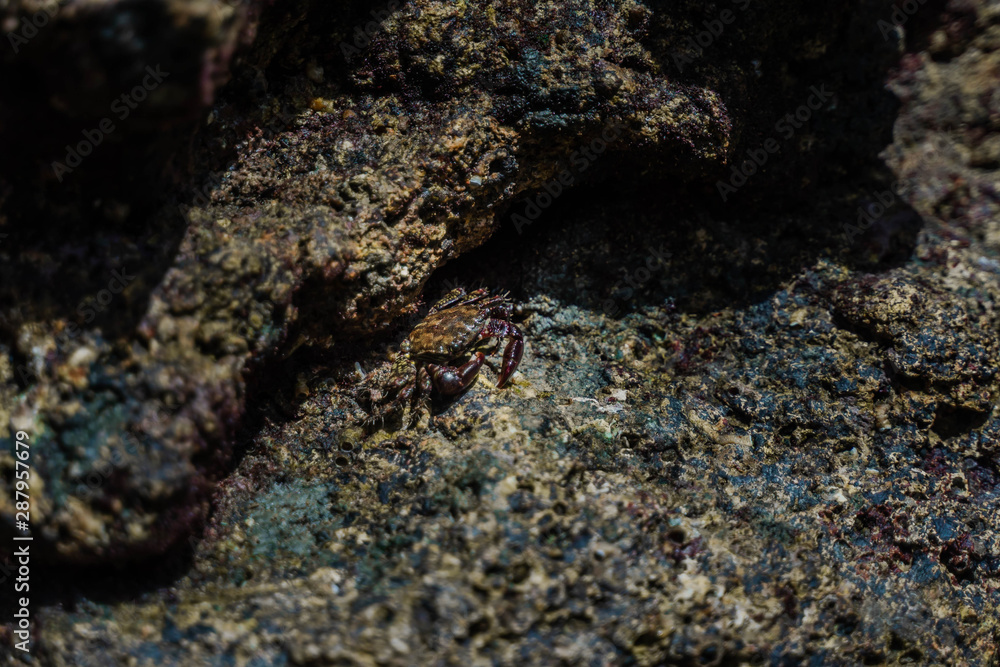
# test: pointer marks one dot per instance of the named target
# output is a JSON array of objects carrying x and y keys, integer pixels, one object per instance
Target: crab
[{"x": 459, "y": 325}]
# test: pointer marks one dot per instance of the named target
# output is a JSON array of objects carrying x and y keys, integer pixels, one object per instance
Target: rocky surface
[
  {"x": 755, "y": 426},
  {"x": 379, "y": 160}
]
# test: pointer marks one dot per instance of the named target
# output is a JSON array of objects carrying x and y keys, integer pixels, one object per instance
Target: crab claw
[
  {"x": 449, "y": 380},
  {"x": 511, "y": 354}
]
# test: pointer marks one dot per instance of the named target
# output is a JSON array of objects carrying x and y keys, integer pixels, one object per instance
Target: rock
[
  {"x": 330, "y": 221},
  {"x": 750, "y": 426}
]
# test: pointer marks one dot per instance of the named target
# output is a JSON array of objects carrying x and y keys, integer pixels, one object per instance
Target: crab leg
[
  {"x": 512, "y": 353},
  {"x": 449, "y": 380},
  {"x": 403, "y": 390},
  {"x": 424, "y": 381},
  {"x": 458, "y": 297},
  {"x": 400, "y": 395}
]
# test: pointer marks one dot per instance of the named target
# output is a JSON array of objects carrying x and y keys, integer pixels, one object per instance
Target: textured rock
[
  {"x": 750, "y": 484},
  {"x": 327, "y": 225},
  {"x": 761, "y": 432}
]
